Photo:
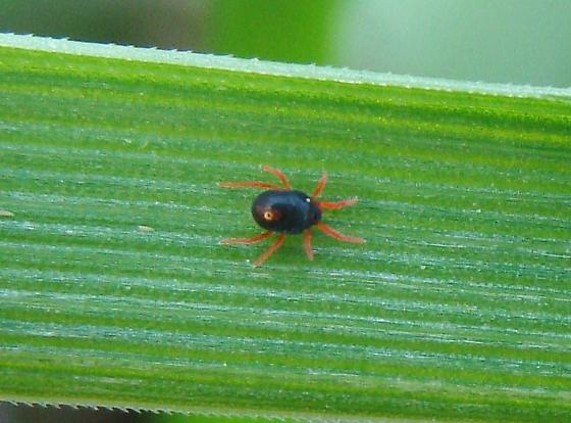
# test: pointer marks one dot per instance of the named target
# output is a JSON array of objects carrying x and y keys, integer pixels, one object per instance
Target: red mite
[{"x": 286, "y": 211}]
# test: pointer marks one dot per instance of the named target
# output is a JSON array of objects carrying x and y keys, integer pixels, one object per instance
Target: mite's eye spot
[{"x": 268, "y": 215}]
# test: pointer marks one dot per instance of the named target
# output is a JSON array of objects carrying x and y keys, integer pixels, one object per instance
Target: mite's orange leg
[
  {"x": 334, "y": 205},
  {"x": 277, "y": 244},
  {"x": 320, "y": 185},
  {"x": 307, "y": 243},
  {"x": 328, "y": 230},
  {"x": 258, "y": 184},
  {"x": 249, "y": 184},
  {"x": 251, "y": 240},
  {"x": 279, "y": 174}
]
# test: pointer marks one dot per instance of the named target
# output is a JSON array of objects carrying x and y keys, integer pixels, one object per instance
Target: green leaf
[{"x": 115, "y": 291}]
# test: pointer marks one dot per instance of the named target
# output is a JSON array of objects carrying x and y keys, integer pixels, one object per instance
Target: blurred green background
[{"x": 505, "y": 41}]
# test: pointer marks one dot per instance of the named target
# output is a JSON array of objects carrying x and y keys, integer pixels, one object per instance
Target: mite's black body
[
  {"x": 290, "y": 212},
  {"x": 285, "y": 211}
]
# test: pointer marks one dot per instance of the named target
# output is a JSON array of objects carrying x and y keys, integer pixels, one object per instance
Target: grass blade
[{"x": 115, "y": 291}]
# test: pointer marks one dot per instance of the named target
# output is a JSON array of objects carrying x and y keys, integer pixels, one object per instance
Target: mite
[{"x": 285, "y": 211}]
